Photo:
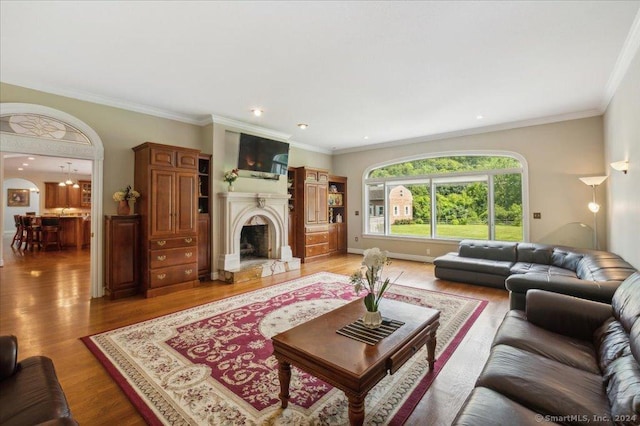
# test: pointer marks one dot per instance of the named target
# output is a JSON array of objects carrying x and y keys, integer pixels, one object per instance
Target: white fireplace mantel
[{"x": 239, "y": 207}]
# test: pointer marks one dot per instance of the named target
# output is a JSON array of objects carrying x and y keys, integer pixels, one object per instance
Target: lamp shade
[
  {"x": 621, "y": 166},
  {"x": 593, "y": 180}
]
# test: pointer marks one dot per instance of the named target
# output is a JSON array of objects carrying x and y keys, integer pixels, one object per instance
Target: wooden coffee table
[{"x": 349, "y": 365}]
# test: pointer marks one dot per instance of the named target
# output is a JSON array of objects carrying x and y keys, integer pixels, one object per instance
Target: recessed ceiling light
[
  {"x": 257, "y": 112},
  {"x": 479, "y": 117},
  {"x": 366, "y": 137},
  {"x": 303, "y": 125}
]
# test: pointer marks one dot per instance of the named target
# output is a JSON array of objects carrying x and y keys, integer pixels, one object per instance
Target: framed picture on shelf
[
  {"x": 335, "y": 199},
  {"x": 18, "y": 197}
]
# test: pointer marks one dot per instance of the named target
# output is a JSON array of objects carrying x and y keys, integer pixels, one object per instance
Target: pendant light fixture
[
  {"x": 68, "y": 181},
  {"x": 62, "y": 181},
  {"x": 75, "y": 175}
]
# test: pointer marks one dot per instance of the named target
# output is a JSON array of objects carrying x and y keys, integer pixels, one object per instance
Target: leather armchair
[{"x": 30, "y": 393}]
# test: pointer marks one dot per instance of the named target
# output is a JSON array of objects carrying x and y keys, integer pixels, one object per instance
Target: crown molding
[
  {"x": 111, "y": 102},
  {"x": 628, "y": 52},
  {"x": 248, "y": 127},
  {"x": 311, "y": 148},
  {"x": 476, "y": 131}
]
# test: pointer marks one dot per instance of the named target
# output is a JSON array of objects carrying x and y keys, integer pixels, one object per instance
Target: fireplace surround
[{"x": 240, "y": 209}]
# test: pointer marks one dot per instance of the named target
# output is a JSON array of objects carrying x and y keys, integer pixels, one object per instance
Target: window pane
[
  {"x": 508, "y": 207},
  {"x": 457, "y": 164},
  {"x": 413, "y": 203},
  {"x": 375, "y": 198},
  {"x": 461, "y": 210}
]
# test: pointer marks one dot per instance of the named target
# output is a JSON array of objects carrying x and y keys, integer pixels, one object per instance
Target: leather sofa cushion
[
  {"x": 33, "y": 395},
  {"x": 626, "y": 303},
  {"x": 454, "y": 261},
  {"x": 611, "y": 342},
  {"x": 536, "y": 268},
  {"x": 623, "y": 390},
  {"x": 534, "y": 253},
  {"x": 487, "y": 407},
  {"x": 516, "y": 331},
  {"x": 544, "y": 385},
  {"x": 484, "y": 249},
  {"x": 566, "y": 259}
]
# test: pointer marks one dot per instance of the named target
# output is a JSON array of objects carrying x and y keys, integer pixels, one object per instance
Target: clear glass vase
[{"x": 372, "y": 319}]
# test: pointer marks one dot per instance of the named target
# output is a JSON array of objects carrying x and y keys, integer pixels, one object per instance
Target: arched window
[{"x": 457, "y": 196}]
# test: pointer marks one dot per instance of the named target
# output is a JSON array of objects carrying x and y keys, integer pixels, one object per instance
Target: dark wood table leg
[
  {"x": 431, "y": 349},
  {"x": 356, "y": 410},
  {"x": 284, "y": 375}
]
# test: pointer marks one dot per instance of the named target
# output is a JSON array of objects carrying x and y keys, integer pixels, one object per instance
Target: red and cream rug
[{"x": 212, "y": 364}]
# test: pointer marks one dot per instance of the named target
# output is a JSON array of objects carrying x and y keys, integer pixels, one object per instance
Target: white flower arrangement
[
  {"x": 127, "y": 194},
  {"x": 369, "y": 278},
  {"x": 231, "y": 176}
]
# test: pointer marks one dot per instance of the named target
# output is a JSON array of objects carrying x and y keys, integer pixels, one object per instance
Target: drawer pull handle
[
  {"x": 188, "y": 271},
  {"x": 188, "y": 240},
  {"x": 161, "y": 258},
  {"x": 162, "y": 276},
  {"x": 188, "y": 254},
  {"x": 161, "y": 243}
]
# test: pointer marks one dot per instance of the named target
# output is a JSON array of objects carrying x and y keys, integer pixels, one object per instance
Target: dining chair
[
  {"x": 18, "y": 235},
  {"x": 30, "y": 232},
  {"x": 50, "y": 232}
]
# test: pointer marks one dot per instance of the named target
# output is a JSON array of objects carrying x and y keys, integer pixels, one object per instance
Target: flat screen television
[{"x": 258, "y": 154}]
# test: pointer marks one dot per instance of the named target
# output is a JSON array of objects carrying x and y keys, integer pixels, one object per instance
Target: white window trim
[{"x": 458, "y": 153}]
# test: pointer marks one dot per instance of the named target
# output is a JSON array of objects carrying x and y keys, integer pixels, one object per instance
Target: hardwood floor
[{"x": 45, "y": 301}]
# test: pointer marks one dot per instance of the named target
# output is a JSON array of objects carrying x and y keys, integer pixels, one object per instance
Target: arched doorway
[{"x": 40, "y": 130}]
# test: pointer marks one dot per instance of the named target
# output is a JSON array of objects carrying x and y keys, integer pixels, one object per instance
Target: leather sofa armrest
[
  {"x": 566, "y": 315},
  {"x": 8, "y": 356}
]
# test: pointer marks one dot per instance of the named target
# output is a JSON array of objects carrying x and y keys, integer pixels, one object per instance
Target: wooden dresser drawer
[
  {"x": 171, "y": 257},
  {"x": 316, "y": 250},
  {"x": 172, "y": 275},
  {"x": 316, "y": 238},
  {"x": 166, "y": 243}
]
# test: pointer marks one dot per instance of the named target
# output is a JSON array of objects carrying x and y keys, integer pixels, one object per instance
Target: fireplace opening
[{"x": 254, "y": 242}]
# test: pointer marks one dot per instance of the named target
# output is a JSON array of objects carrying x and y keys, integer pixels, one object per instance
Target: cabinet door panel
[
  {"x": 323, "y": 209},
  {"x": 187, "y": 160},
  {"x": 162, "y": 201},
  {"x": 311, "y": 197},
  {"x": 186, "y": 206},
  {"x": 162, "y": 157},
  {"x": 73, "y": 196}
]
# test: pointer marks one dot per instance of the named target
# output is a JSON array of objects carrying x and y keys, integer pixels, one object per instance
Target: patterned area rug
[{"x": 212, "y": 364}]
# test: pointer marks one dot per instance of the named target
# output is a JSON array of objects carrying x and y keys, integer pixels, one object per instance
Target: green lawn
[{"x": 503, "y": 232}]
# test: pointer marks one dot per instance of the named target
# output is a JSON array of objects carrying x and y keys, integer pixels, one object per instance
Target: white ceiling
[{"x": 391, "y": 71}]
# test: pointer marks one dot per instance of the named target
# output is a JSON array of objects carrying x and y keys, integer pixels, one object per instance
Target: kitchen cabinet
[
  {"x": 167, "y": 179},
  {"x": 57, "y": 196}
]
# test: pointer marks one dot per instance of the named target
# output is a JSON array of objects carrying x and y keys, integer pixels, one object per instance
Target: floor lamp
[{"x": 594, "y": 207}]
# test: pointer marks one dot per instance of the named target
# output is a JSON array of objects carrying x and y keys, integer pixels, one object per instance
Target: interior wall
[
  {"x": 557, "y": 155},
  {"x": 119, "y": 129},
  {"x": 622, "y": 142}
]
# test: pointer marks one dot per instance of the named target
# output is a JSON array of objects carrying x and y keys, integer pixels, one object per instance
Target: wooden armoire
[
  {"x": 167, "y": 179},
  {"x": 317, "y": 213}
]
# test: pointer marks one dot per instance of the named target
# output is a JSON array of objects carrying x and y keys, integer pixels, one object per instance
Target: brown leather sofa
[
  {"x": 30, "y": 393},
  {"x": 519, "y": 267},
  {"x": 565, "y": 360}
]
